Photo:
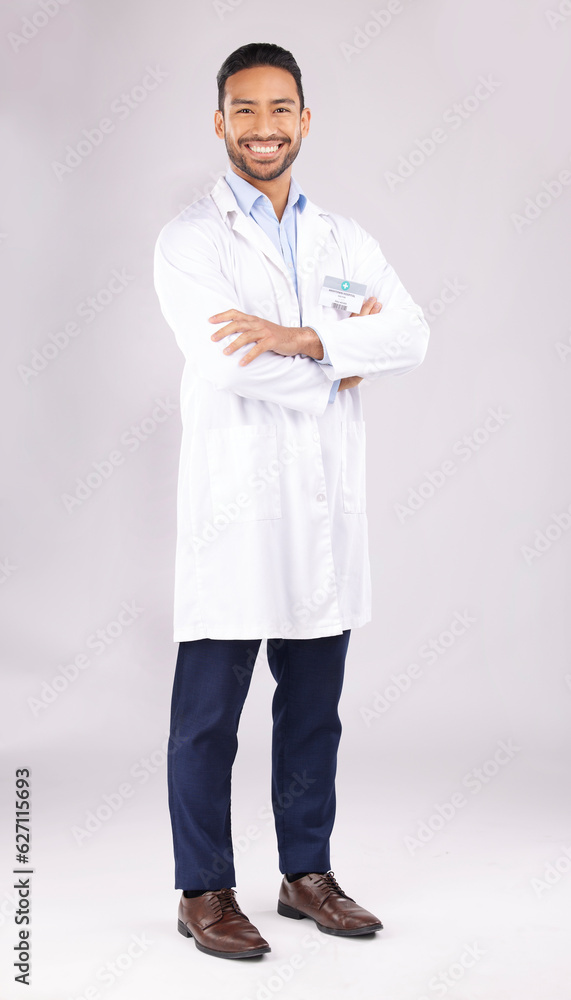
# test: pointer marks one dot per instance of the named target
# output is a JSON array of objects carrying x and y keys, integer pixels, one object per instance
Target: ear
[
  {"x": 305, "y": 120},
  {"x": 219, "y": 124}
]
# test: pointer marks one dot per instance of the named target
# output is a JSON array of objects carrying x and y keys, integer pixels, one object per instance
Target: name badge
[{"x": 342, "y": 294}]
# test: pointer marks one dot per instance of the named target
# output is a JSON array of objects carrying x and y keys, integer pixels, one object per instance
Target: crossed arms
[
  {"x": 284, "y": 340},
  {"x": 390, "y": 338}
]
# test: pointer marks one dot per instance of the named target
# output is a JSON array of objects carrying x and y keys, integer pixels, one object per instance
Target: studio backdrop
[{"x": 442, "y": 129}]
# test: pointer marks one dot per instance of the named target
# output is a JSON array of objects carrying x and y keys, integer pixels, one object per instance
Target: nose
[{"x": 264, "y": 125}]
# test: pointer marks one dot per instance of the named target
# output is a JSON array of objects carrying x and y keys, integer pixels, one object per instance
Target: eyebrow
[{"x": 279, "y": 100}]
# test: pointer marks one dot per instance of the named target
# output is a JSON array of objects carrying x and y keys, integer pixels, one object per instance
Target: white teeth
[{"x": 264, "y": 149}]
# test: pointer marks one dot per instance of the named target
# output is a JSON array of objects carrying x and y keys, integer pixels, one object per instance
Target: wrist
[{"x": 312, "y": 345}]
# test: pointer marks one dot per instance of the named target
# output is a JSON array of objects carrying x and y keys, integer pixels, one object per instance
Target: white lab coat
[{"x": 271, "y": 506}]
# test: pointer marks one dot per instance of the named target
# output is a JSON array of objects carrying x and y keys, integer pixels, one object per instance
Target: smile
[{"x": 264, "y": 151}]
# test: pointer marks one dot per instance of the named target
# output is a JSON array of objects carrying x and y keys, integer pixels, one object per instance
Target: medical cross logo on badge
[{"x": 339, "y": 293}]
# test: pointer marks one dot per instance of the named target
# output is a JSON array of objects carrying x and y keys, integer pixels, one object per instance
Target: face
[{"x": 262, "y": 126}]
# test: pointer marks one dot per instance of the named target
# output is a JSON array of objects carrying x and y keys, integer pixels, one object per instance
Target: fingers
[
  {"x": 236, "y": 326},
  {"x": 248, "y": 329},
  {"x": 235, "y": 321},
  {"x": 370, "y": 307},
  {"x": 245, "y": 336},
  {"x": 255, "y": 353},
  {"x": 240, "y": 341},
  {"x": 227, "y": 314}
]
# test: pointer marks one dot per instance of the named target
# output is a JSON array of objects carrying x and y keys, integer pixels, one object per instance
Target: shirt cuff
[
  {"x": 334, "y": 388},
  {"x": 325, "y": 360}
]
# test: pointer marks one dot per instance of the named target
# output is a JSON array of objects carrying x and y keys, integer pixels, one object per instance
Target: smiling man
[{"x": 281, "y": 310}]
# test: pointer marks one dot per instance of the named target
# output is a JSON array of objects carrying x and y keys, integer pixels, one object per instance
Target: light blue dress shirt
[{"x": 282, "y": 234}]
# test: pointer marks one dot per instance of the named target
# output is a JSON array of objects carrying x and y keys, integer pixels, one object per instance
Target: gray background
[{"x": 494, "y": 876}]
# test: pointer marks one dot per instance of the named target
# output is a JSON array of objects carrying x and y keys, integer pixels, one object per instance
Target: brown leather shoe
[
  {"x": 321, "y": 898},
  {"x": 218, "y": 925}
]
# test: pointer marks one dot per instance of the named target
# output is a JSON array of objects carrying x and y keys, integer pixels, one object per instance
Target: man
[{"x": 263, "y": 290}]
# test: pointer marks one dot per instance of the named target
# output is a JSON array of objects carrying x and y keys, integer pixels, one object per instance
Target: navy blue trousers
[{"x": 211, "y": 681}]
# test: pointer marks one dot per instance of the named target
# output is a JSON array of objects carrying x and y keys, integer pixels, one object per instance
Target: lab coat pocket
[
  {"x": 353, "y": 466},
  {"x": 244, "y": 472}
]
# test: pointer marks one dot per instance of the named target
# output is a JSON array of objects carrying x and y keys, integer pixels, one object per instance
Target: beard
[{"x": 263, "y": 172}]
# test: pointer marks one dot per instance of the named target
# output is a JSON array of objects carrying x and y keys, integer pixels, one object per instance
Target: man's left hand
[{"x": 285, "y": 340}]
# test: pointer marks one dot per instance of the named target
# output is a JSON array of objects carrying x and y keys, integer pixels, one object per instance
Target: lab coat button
[{"x": 320, "y": 497}]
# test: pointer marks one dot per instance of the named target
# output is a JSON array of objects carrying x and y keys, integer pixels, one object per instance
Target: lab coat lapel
[
  {"x": 227, "y": 205},
  {"x": 313, "y": 235},
  {"x": 313, "y": 245}
]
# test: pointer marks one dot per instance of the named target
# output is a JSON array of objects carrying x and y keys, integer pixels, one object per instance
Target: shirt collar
[{"x": 246, "y": 194}]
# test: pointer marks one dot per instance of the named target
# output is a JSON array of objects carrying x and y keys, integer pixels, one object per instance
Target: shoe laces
[
  {"x": 225, "y": 901},
  {"x": 330, "y": 882}
]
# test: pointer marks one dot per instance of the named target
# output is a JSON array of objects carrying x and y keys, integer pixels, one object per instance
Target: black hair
[{"x": 258, "y": 54}]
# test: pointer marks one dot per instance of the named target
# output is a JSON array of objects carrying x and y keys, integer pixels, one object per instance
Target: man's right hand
[{"x": 369, "y": 306}]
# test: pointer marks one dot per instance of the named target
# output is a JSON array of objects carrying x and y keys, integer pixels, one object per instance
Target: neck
[{"x": 277, "y": 190}]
